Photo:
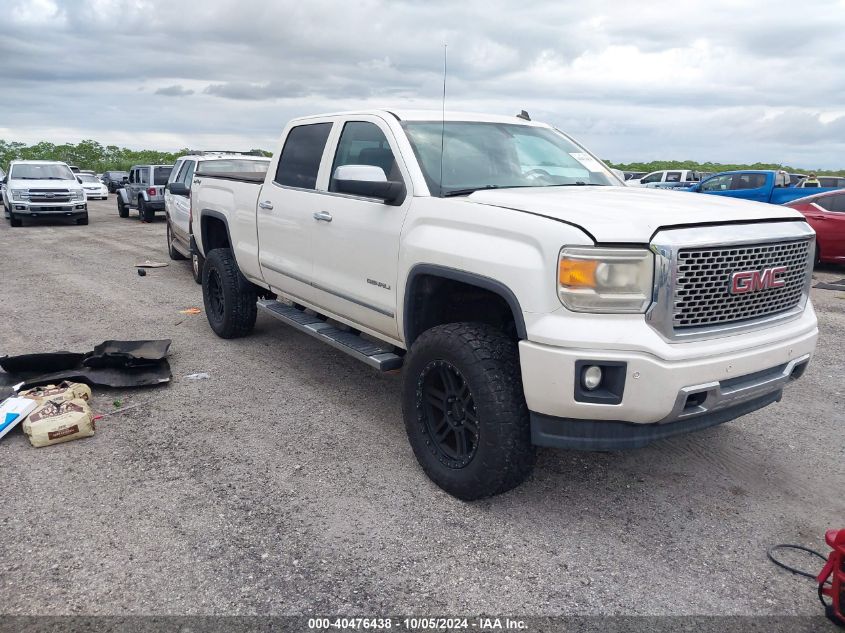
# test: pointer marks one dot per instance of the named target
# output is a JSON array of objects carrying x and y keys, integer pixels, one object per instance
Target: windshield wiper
[
  {"x": 466, "y": 192},
  {"x": 578, "y": 184}
]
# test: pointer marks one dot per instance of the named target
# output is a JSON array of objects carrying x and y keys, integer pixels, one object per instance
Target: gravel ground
[{"x": 284, "y": 484}]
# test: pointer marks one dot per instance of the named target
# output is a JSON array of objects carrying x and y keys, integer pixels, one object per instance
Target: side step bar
[{"x": 374, "y": 354}]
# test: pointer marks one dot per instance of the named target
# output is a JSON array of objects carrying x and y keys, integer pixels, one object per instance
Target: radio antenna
[{"x": 443, "y": 119}]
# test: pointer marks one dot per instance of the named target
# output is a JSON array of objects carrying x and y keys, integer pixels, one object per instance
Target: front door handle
[
  {"x": 323, "y": 216},
  {"x": 266, "y": 205}
]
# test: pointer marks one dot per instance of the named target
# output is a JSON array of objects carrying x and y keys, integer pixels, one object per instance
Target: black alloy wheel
[
  {"x": 446, "y": 404},
  {"x": 216, "y": 299}
]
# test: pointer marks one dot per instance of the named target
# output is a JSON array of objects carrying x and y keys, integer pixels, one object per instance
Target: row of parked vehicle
[{"x": 681, "y": 178}]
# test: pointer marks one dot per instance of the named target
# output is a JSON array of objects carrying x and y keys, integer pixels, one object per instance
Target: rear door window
[
  {"x": 299, "y": 163},
  {"x": 748, "y": 181},
  {"x": 161, "y": 174}
]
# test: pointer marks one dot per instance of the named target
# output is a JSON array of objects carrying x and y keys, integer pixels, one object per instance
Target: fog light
[{"x": 591, "y": 377}]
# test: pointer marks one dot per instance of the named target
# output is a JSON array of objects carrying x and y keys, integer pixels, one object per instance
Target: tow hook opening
[
  {"x": 799, "y": 370},
  {"x": 695, "y": 400}
]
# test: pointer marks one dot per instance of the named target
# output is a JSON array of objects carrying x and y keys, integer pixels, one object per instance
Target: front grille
[
  {"x": 702, "y": 295},
  {"x": 49, "y": 195},
  {"x": 41, "y": 199}
]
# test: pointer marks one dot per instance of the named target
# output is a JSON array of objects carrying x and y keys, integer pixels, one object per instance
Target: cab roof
[{"x": 431, "y": 115}]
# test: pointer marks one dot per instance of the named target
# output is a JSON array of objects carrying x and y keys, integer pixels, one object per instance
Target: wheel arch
[
  {"x": 413, "y": 324},
  {"x": 214, "y": 231}
]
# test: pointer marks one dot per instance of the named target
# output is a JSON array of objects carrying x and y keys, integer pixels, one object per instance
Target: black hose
[{"x": 773, "y": 548}]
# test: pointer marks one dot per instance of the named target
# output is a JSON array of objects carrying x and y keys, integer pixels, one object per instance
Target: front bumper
[
  {"x": 661, "y": 396},
  {"x": 61, "y": 210}
]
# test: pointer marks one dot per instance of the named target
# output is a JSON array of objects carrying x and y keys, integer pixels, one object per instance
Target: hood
[
  {"x": 43, "y": 184},
  {"x": 629, "y": 215}
]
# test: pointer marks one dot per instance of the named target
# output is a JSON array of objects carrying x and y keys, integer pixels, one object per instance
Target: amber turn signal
[{"x": 577, "y": 273}]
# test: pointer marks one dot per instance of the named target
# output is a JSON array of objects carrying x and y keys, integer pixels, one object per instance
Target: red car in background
[{"x": 826, "y": 214}]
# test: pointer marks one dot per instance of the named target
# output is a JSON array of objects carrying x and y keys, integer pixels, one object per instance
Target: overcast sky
[{"x": 727, "y": 81}]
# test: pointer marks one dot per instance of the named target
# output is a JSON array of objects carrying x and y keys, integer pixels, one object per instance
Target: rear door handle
[
  {"x": 266, "y": 205},
  {"x": 323, "y": 216}
]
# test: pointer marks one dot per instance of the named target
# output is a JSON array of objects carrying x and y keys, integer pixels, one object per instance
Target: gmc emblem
[{"x": 756, "y": 280}]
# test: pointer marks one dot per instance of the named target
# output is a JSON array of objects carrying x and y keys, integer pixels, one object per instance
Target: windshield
[
  {"x": 493, "y": 155},
  {"x": 161, "y": 174},
  {"x": 234, "y": 165},
  {"x": 87, "y": 178},
  {"x": 41, "y": 171}
]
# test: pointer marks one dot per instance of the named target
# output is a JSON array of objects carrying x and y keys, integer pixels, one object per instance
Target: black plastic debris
[{"x": 109, "y": 364}]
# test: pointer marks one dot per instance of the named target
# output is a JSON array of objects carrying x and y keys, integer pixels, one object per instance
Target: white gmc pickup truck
[{"x": 529, "y": 298}]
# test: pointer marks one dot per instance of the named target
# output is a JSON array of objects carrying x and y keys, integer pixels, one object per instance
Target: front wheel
[
  {"x": 229, "y": 299},
  {"x": 83, "y": 221},
  {"x": 122, "y": 209},
  {"x": 145, "y": 214},
  {"x": 465, "y": 411}
]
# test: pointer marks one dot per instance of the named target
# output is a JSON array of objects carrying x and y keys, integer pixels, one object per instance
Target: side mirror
[
  {"x": 368, "y": 181},
  {"x": 125, "y": 179},
  {"x": 179, "y": 189}
]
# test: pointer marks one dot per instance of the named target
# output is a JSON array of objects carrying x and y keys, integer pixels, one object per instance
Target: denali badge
[{"x": 755, "y": 280}]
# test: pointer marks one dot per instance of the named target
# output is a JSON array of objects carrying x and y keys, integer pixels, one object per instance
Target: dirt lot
[{"x": 285, "y": 484}]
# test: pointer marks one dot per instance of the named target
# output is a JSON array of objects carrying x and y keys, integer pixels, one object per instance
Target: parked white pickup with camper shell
[{"x": 528, "y": 297}]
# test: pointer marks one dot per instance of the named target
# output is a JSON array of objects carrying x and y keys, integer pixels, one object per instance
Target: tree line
[
  {"x": 92, "y": 155},
  {"x": 89, "y": 154}
]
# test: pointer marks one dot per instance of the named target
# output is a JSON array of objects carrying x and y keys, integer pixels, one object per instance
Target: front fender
[
  {"x": 124, "y": 195},
  {"x": 512, "y": 253}
]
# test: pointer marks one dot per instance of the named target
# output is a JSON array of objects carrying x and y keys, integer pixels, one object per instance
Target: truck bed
[{"x": 243, "y": 176}]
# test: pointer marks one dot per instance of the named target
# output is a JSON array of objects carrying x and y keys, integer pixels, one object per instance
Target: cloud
[
  {"x": 240, "y": 90},
  {"x": 174, "y": 91},
  {"x": 634, "y": 81}
]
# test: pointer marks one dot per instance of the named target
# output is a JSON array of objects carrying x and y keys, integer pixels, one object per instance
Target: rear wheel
[
  {"x": 465, "y": 411},
  {"x": 229, "y": 299},
  {"x": 174, "y": 254},
  {"x": 197, "y": 264},
  {"x": 122, "y": 209}
]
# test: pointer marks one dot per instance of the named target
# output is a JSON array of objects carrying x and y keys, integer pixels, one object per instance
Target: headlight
[
  {"x": 605, "y": 279},
  {"x": 77, "y": 195},
  {"x": 20, "y": 194}
]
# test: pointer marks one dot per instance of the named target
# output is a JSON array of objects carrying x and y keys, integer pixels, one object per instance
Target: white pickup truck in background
[
  {"x": 666, "y": 179},
  {"x": 527, "y": 296},
  {"x": 177, "y": 197}
]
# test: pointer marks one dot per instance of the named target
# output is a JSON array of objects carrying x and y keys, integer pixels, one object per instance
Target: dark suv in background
[{"x": 113, "y": 180}]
